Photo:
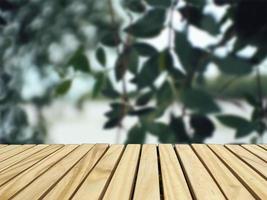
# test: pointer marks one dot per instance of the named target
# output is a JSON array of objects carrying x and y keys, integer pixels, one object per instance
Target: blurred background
[{"x": 133, "y": 71}]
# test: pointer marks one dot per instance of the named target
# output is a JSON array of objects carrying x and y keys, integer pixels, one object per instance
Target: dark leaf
[
  {"x": 110, "y": 38},
  {"x": 149, "y": 72},
  {"x": 135, "y": 5},
  {"x": 164, "y": 95},
  {"x": 136, "y": 135},
  {"x": 209, "y": 24},
  {"x": 150, "y": 25},
  {"x": 132, "y": 61},
  {"x": 233, "y": 65},
  {"x": 109, "y": 90},
  {"x": 242, "y": 126},
  {"x": 144, "y": 98},
  {"x": 63, "y": 87},
  {"x": 202, "y": 126},
  {"x": 178, "y": 127},
  {"x": 142, "y": 111},
  {"x": 99, "y": 84},
  {"x": 189, "y": 56},
  {"x": 223, "y": 2},
  {"x": 192, "y": 14},
  {"x": 197, "y": 3},
  {"x": 199, "y": 101},
  {"x": 160, "y": 3},
  {"x": 111, "y": 123},
  {"x": 162, "y": 131},
  {"x": 145, "y": 49},
  {"x": 79, "y": 61},
  {"x": 101, "y": 57}
]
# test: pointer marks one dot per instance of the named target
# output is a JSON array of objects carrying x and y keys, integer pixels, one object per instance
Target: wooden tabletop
[{"x": 145, "y": 172}]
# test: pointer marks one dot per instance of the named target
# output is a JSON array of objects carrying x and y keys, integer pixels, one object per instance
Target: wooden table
[{"x": 142, "y": 172}]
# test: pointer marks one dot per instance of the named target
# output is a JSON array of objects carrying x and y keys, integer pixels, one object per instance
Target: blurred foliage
[{"x": 162, "y": 78}]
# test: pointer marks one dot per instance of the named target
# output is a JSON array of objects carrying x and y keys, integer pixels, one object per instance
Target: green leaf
[
  {"x": 189, "y": 56},
  {"x": 79, "y": 61},
  {"x": 150, "y": 25},
  {"x": 128, "y": 59},
  {"x": 132, "y": 61},
  {"x": 178, "y": 127},
  {"x": 233, "y": 65},
  {"x": 198, "y": 100},
  {"x": 136, "y": 135},
  {"x": 63, "y": 88},
  {"x": 192, "y": 14},
  {"x": 142, "y": 111},
  {"x": 202, "y": 126},
  {"x": 198, "y": 3},
  {"x": 110, "y": 38},
  {"x": 144, "y": 98},
  {"x": 135, "y": 5},
  {"x": 99, "y": 84},
  {"x": 209, "y": 24},
  {"x": 162, "y": 131},
  {"x": 159, "y": 3},
  {"x": 111, "y": 123},
  {"x": 165, "y": 95},
  {"x": 145, "y": 49},
  {"x": 149, "y": 72},
  {"x": 101, "y": 57},
  {"x": 109, "y": 90},
  {"x": 243, "y": 126}
]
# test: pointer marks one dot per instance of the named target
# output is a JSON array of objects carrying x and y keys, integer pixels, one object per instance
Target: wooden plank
[
  {"x": 147, "y": 183},
  {"x": 200, "y": 181},
  {"x": 41, "y": 185},
  {"x": 19, "y": 157},
  {"x": 229, "y": 184},
  {"x": 173, "y": 180},
  {"x": 256, "y": 150},
  {"x": 18, "y": 168},
  {"x": 14, "y": 152},
  {"x": 264, "y": 146},
  {"x": 66, "y": 187},
  {"x": 96, "y": 182},
  {"x": 2, "y": 145},
  {"x": 253, "y": 161},
  {"x": 8, "y": 148},
  {"x": 122, "y": 182},
  {"x": 250, "y": 178},
  {"x": 18, "y": 182}
]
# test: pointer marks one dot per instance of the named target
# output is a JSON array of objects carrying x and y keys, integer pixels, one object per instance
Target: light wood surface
[
  {"x": 139, "y": 172},
  {"x": 201, "y": 183},
  {"x": 250, "y": 178},
  {"x": 250, "y": 159},
  {"x": 227, "y": 182},
  {"x": 257, "y": 151},
  {"x": 122, "y": 183},
  {"x": 147, "y": 183},
  {"x": 173, "y": 180}
]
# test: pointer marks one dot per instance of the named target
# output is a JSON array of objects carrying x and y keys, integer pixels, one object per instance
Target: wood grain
[
  {"x": 20, "y": 157},
  {"x": 95, "y": 183},
  {"x": 147, "y": 183},
  {"x": 173, "y": 180},
  {"x": 229, "y": 184},
  {"x": 253, "y": 161},
  {"x": 138, "y": 172},
  {"x": 122, "y": 182},
  {"x": 201, "y": 183},
  {"x": 65, "y": 188},
  {"x": 250, "y": 178},
  {"x": 256, "y": 150},
  {"x": 21, "y": 180}
]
